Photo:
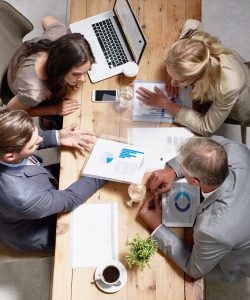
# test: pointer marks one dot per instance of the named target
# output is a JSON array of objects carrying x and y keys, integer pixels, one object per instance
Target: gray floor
[
  {"x": 229, "y": 21},
  {"x": 26, "y": 279},
  {"x": 35, "y": 10},
  {"x": 29, "y": 279}
]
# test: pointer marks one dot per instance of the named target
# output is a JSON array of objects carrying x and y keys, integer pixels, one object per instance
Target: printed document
[
  {"x": 116, "y": 162},
  {"x": 161, "y": 143},
  {"x": 143, "y": 112},
  {"x": 94, "y": 234},
  {"x": 179, "y": 205}
]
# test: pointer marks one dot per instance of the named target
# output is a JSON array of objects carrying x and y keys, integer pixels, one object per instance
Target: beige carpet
[
  {"x": 230, "y": 21},
  {"x": 35, "y": 10}
]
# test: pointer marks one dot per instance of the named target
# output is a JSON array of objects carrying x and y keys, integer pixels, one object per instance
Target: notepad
[
  {"x": 94, "y": 234},
  {"x": 116, "y": 162}
]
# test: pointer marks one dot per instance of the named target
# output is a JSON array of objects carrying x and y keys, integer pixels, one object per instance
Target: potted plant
[{"x": 140, "y": 251}]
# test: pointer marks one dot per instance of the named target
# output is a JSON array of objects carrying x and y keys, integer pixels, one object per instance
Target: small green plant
[{"x": 140, "y": 251}]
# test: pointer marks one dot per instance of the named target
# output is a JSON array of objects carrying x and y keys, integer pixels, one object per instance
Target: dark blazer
[
  {"x": 29, "y": 202},
  {"x": 221, "y": 249}
]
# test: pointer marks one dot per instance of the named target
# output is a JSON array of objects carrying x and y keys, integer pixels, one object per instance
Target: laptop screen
[{"x": 131, "y": 28}]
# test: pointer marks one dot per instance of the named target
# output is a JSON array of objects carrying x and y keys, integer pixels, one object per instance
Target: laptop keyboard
[{"x": 110, "y": 44}]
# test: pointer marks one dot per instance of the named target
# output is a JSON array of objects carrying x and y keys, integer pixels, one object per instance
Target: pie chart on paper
[{"x": 107, "y": 157}]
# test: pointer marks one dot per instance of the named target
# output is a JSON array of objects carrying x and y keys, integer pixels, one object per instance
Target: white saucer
[{"x": 113, "y": 288}]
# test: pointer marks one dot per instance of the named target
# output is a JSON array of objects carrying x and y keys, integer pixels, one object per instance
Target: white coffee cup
[
  {"x": 109, "y": 274},
  {"x": 130, "y": 70}
]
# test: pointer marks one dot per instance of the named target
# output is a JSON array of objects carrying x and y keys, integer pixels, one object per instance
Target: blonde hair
[{"x": 198, "y": 57}]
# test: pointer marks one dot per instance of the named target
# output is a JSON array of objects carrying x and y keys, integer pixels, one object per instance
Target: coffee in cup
[
  {"x": 110, "y": 275},
  {"x": 130, "y": 71}
]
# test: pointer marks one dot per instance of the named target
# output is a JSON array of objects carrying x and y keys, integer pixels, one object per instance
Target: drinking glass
[
  {"x": 137, "y": 192},
  {"x": 125, "y": 95}
]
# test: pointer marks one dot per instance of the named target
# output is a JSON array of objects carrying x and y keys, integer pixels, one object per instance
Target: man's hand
[
  {"x": 161, "y": 181},
  {"x": 151, "y": 212},
  {"x": 67, "y": 106},
  {"x": 81, "y": 140}
]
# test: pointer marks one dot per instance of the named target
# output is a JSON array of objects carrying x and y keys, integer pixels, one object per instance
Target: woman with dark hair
[{"x": 45, "y": 68}]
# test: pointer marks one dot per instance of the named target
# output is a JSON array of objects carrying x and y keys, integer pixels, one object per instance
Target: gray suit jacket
[
  {"x": 29, "y": 200},
  {"x": 221, "y": 249}
]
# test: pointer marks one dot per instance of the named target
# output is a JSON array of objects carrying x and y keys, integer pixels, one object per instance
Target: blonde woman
[{"x": 218, "y": 76}]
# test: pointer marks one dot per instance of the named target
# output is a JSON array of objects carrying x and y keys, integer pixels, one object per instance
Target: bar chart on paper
[
  {"x": 161, "y": 143},
  {"x": 127, "y": 153},
  {"x": 116, "y": 162}
]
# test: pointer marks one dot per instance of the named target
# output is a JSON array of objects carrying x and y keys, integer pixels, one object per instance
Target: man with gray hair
[{"x": 221, "y": 249}]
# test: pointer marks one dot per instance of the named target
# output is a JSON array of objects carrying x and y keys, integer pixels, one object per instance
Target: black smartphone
[{"x": 104, "y": 96}]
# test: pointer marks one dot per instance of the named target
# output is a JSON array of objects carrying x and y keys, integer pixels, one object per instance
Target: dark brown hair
[
  {"x": 16, "y": 129},
  {"x": 70, "y": 50}
]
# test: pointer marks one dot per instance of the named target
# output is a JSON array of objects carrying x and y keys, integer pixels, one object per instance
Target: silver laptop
[{"x": 115, "y": 38}]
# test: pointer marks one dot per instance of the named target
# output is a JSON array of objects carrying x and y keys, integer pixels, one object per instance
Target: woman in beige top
[
  {"x": 216, "y": 74},
  {"x": 43, "y": 70}
]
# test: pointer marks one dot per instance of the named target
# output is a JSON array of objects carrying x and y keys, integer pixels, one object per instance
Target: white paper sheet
[
  {"x": 179, "y": 206},
  {"x": 116, "y": 161},
  {"x": 161, "y": 143},
  {"x": 142, "y": 112},
  {"x": 94, "y": 234}
]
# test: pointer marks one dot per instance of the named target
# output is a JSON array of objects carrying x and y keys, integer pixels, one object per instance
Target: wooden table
[{"x": 161, "y": 21}]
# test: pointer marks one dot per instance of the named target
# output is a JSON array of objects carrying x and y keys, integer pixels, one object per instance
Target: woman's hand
[
  {"x": 156, "y": 98},
  {"x": 75, "y": 138},
  {"x": 67, "y": 106},
  {"x": 161, "y": 181}
]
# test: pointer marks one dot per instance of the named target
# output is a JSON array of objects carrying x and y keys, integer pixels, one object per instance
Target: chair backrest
[
  {"x": 13, "y": 27},
  {"x": 8, "y": 254}
]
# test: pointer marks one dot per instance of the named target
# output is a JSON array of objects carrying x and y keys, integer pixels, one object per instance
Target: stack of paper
[
  {"x": 161, "y": 143},
  {"x": 116, "y": 162},
  {"x": 146, "y": 113},
  {"x": 94, "y": 234}
]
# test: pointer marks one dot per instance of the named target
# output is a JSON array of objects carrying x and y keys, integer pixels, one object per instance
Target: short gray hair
[{"x": 204, "y": 159}]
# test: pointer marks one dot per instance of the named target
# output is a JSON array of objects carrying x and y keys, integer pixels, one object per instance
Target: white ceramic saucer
[{"x": 113, "y": 288}]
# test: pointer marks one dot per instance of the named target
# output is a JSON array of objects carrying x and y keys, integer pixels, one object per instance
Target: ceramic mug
[
  {"x": 130, "y": 71},
  {"x": 109, "y": 275}
]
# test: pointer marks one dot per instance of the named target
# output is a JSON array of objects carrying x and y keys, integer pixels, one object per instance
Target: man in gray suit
[
  {"x": 29, "y": 198},
  {"x": 221, "y": 248}
]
